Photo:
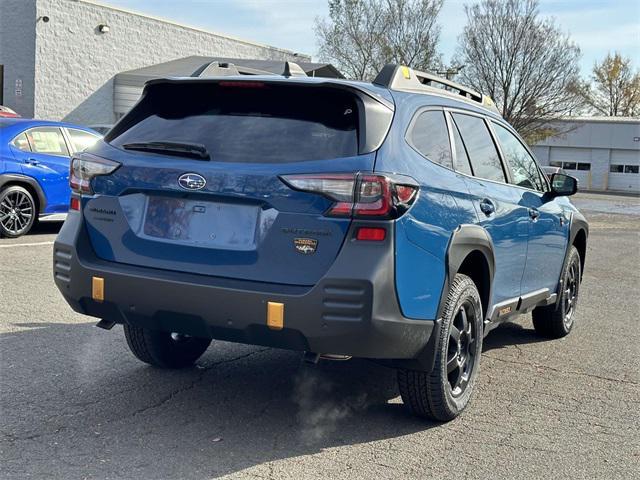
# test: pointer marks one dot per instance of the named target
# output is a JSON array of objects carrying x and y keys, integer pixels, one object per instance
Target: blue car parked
[
  {"x": 392, "y": 220},
  {"x": 34, "y": 170}
]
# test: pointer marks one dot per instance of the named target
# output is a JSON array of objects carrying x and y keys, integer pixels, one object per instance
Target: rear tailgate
[{"x": 229, "y": 215}]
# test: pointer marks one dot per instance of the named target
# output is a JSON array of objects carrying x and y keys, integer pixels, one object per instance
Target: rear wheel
[
  {"x": 443, "y": 393},
  {"x": 556, "y": 321},
  {"x": 18, "y": 211},
  {"x": 165, "y": 349}
]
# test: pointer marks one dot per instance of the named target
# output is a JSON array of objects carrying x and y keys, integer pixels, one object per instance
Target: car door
[
  {"x": 497, "y": 205},
  {"x": 548, "y": 226},
  {"x": 48, "y": 162}
]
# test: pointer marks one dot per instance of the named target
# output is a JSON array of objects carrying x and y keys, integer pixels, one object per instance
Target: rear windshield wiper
[{"x": 195, "y": 150}]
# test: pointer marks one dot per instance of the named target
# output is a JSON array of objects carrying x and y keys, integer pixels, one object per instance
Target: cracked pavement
[{"x": 75, "y": 404}]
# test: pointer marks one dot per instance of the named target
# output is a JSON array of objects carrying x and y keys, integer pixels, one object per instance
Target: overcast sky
[{"x": 598, "y": 26}]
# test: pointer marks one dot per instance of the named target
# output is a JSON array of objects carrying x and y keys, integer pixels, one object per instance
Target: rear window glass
[{"x": 255, "y": 123}]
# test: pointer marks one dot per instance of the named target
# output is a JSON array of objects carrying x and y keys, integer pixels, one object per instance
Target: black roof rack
[
  {"x": 216, "y": 69},
  {"x": 400, "y": 77},
  {"x": 292, "y": 69}
]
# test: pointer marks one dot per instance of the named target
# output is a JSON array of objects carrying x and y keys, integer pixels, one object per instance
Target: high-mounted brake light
[
  {"x": 242, "y": 84},
  {"x": 85, "y": 167},
  {"x": 359, "y": 195}
]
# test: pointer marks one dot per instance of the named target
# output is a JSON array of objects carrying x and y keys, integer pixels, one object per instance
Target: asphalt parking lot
[{"x": 75, "y": 404}]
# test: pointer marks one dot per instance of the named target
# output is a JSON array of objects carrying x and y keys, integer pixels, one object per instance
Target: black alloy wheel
[{"x": 17, "y": 211}]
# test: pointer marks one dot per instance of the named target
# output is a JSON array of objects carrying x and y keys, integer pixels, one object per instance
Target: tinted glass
[
  {"x": 255, "y": 123},
  {"x": 81, "y": 140},
  {"x": 482, "y": 152},
  {"x": 430, "y": 137},
  {"x": 462, "y": 159},
  {"x": 584, "y": 166},
  {"x": 631, "y": 169},
  {"x": 22, "y": 143},
  {"x": 616, "y": 168},
  {"x": 47, "y": 140},
  {"x": 523, "y": 167}
]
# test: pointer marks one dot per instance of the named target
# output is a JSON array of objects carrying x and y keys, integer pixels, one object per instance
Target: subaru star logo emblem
[{"x": 192, "y": 181}]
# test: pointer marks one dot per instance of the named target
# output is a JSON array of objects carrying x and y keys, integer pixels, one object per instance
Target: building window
[
  {"x": 555, "y": 164},
  {"x": 631, "y": 169},
  {"x": 584, "y": 166},
  {"x": 616, "y": 168},
  {"x": 569, "y": 165}
]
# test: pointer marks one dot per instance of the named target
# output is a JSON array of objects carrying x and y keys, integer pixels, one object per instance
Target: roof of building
[
  {"x": 600, "y": 119},
  {"x": 185, "y": 67},
  {"x": 98, "y": 3}
]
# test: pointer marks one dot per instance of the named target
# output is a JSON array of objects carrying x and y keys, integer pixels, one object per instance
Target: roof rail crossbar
[
  {"x": 429, "y": 79},
  {"x": 399, "y": 77},
  {"x": 216, "y": 69},
  {"x": 292, "y": 69}
]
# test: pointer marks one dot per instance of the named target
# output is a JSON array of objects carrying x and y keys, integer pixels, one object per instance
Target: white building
[
  {"x": 602, "y": 152},
  {"x": 59, "y": 59}
]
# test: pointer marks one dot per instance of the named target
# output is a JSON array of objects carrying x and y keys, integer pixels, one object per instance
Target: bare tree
[
  {"x": 360, "y": 36},
  {"x": 614, "y": 89},
  {"x": 525, "y": 63}
]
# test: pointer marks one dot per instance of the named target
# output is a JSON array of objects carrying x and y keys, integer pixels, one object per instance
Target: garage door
[
  {"x": 624, "y": 169},
  {"x": 576, "y": 162}
]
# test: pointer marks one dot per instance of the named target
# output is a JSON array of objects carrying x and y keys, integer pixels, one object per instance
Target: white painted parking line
[{"x": 35, "y": 244}]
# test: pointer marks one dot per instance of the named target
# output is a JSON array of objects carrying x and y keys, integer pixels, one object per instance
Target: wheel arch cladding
[
  {"x": 32, "y": 186},
  {"x": 580, "y": 242},
  {"x": 470, "y": 252}
]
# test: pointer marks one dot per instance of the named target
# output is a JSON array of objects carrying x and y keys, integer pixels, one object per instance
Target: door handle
[
  {"x": 32, "y": 161},
  {"x": 487, "y": 206},
  {"x": 534, "y": 214}
]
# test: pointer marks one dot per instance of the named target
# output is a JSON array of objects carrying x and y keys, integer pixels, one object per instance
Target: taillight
[
  {"x": 359, "y": 195},
  {"x": 85, "y": 167}
]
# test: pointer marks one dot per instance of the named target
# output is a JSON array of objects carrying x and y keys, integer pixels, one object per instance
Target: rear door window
[
  {"x": 523, "y": 167},
  {"x": 247, "y": 121},
  {"x": 462, "y": 163},
  {"x": 482, "y": 152},
  {"x": 47, "y": 140},
  {"x": 430, "y": 137}
]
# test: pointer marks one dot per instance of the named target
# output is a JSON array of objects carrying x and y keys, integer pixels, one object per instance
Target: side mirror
[{"x": 563, "y": 185}]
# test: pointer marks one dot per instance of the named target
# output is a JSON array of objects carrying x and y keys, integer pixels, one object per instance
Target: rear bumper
[{"x": 353, "y": 310}]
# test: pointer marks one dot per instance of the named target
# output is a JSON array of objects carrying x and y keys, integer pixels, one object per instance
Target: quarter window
[
  {"x": 21, "y": 143},
  {"x": 482, "y": 152},
  {"x": 430, "y": 137},
  {"x": 523, "y": 167},
  {"x": 81, "y": 140},
  {"x": 48, "y": 140}
]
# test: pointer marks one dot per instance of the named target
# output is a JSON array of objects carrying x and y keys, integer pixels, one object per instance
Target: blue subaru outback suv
[{"x": 393, "y": 220}]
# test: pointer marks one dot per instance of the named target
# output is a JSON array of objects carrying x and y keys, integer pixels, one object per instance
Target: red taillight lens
[
  {"x": 85, "y": 167},
  {"x": 371, "y": 234},
  {"x": 74, "y": 204},
  {"x": 359, "y": 195}
]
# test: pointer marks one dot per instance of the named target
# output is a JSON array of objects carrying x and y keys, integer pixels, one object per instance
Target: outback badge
[{"x": 306, "y": 246}]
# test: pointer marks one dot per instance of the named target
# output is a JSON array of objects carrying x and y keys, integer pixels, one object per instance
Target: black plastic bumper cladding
[{"x": 353, "y": 310}]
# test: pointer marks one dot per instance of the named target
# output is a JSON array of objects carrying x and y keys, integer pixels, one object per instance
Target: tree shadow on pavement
[{"x": 76, "y": 404}]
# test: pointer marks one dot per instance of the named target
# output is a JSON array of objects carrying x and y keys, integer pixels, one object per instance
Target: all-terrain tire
[
  {"x": 556, "y": 321},
  {"x": 433, "y": 395},
  {"x": 16, "y": 203},
  {"x": 164, "y": 349}
]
